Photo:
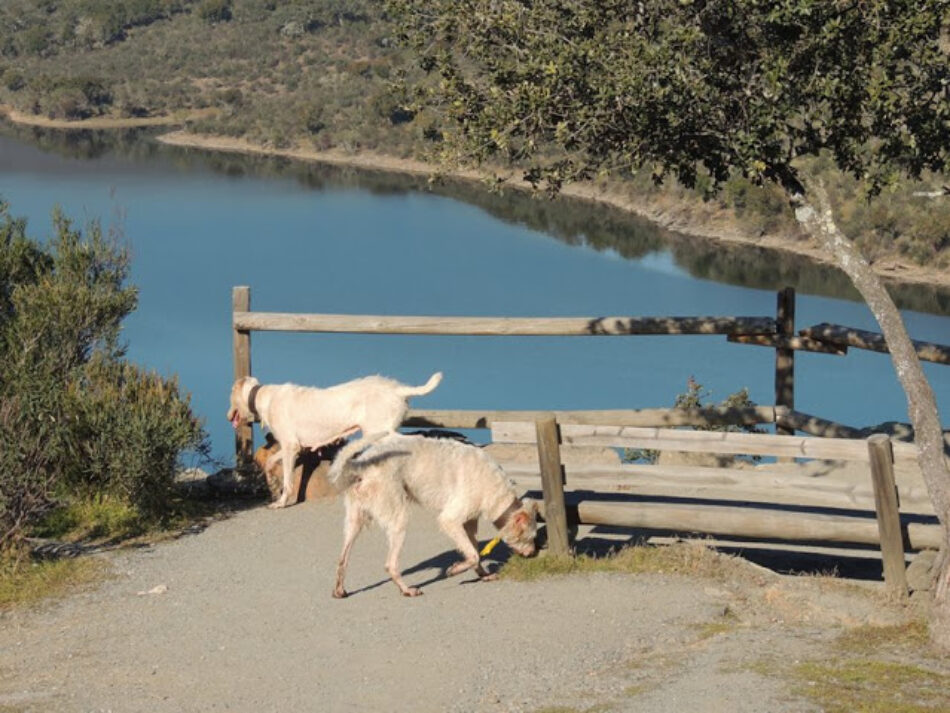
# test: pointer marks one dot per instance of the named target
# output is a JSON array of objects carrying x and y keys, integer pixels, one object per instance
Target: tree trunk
[{"x": 813, "y": 212}]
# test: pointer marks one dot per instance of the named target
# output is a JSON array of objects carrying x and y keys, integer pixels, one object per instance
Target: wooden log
[
  {"x": 849, "y": 336},
  {"x": 500, "y": 326},
  {"x": 784, "y": 357},
  {"x": 244, "y": 435},
  {"x": 904, "y": 452},
  {"x": 555, "y": 513},
  {"x": 888, "y": 515},
  {"x": 753, "y": 523},
  {"x": 758, "y": 485},
  {"x": 817, "y": 426},
  {"x": 801, "y": 344},
  {"x": 434, "y": 418},
  {"x": 667, "y": 439}
]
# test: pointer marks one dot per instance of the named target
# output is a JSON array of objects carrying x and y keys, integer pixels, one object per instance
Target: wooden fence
[{"x": 548, "y": 428}]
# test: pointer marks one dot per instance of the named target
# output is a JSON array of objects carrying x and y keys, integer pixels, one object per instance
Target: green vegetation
[
  {"x": 89, "y": 438},
  {"x": 328, "y": 74},
  {"x": 693, "y": 398},
  {"x": 877, "y": 670},
  {"x": 23, "y": 582},
  {"x": 689, "y": 558}
]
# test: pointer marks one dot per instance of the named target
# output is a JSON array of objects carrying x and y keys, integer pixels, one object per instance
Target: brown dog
[{"x": 310, "y": 471}]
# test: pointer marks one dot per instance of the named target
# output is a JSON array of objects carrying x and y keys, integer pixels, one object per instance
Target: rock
[
  {"x": 230, "y": 482},
  {"x": 920, "y": 574}
]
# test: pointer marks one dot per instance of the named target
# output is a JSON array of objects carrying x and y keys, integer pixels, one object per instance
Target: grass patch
[
  {"x": 690, "y": 558},
  {"x": 878, "y": 669},
  {"x": 871, "y": 686},
  {"x": 110, "y": 520},
  {"x": 869, "y": 640},
  {"x": 101, "y": 518},
  {"x": 23, "y": 582}
]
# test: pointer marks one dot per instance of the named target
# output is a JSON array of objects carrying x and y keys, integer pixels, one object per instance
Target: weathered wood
[
  {"x": 849, "y": 336},
  {"x": 758, "y": 485},
  {"x": 549, "y": 457},
  {"x": 784, "y": 357},
  {"x": 817, "y": 426},
  {"x": 244, "y": 435},
  {"x": 801, "y": 344},
  {"x": 904, "y": 452},
  {"x": 435, "y": 418},
  {"x": 746, "y": 522},
  {"x": 500, "y": 326},
  {"x": 667, "y": 439},
  {"x": 888, "y": 514}
]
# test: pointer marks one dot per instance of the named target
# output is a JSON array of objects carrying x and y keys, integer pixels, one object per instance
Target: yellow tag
[{"x": 486, "y": 550}]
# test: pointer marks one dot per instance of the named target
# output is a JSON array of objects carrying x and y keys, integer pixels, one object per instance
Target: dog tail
[
  {"x": 430, "y": 385},
  {"x": 346, "y": 454}
]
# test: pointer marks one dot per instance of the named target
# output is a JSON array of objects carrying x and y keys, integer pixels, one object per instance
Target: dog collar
[
  {"x": 502, "y": 520},
  {"x": 251, "y": 402}
]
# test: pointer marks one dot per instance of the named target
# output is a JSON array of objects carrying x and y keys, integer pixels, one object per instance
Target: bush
[
  {"x": 130, "y": 427},
  {"x": 213, "y": 11},
  {"x": 77, "y": 420}
]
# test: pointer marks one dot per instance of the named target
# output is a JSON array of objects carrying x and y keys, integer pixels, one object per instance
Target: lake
[{"x": 310, "y": 238}]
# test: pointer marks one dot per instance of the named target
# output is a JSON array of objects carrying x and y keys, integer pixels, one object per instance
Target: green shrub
[
  {"x": 77, "y": 420},
  {"x": 693, "y": 398},
  {"x": 213, "y": 11}
]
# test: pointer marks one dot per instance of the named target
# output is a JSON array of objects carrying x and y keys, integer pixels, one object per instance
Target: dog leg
[
  {"x": 352, "y": 525},
  {"x": 396, "y": 533},
  {"x": 463, "y": 542},
  {"x": 288, "y": 453},
  {"x": 471, "y": 529}
]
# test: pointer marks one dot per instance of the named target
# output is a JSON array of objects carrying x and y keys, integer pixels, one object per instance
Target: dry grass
[
  {"x": 23, "y": 582},
  {"x": 693, "y": 558},
  {"x": 878, "y": 669}
]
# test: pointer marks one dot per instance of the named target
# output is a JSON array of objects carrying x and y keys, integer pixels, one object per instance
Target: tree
[{"x": 688, "y": 88}]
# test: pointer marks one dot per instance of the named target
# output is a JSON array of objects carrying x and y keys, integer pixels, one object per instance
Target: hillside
[{"x": 322, "y": 75}]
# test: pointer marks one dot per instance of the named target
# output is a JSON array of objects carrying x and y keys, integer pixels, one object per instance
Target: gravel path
[{"x": 240, "y": 618}]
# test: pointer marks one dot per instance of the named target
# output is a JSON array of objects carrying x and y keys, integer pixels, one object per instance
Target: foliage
[
  {"x": 693, "y": 398},
  {"x": 688, "y": 88},
  {"x": 75, "y": 418},
  {"x": 215, "y": 10}
]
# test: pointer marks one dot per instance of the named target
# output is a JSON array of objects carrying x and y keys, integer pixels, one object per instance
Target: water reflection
[{"x": 572, "y": 221}]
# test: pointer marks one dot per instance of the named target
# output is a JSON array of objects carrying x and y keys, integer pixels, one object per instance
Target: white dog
[
  {"x": 310, "y": 417},
  {"x": 456, "y": 479}
]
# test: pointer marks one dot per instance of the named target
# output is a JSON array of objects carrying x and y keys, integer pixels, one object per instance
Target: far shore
[
  {"x": 103, "y": 122},
  {"x": 722, "y": 228}
]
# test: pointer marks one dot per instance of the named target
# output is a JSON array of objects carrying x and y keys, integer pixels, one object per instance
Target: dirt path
[{"x": 242, "y": 620}]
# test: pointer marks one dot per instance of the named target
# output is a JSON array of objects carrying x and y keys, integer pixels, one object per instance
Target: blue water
[{"x": 195, "y": 233}]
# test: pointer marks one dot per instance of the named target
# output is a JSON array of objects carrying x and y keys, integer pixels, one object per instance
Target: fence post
[
  {"x": 549, "y": 457},
  {"x": 785, "y": 358},
  {"x": 244, "y": 436},
  {"x": 888, "y": 513}
]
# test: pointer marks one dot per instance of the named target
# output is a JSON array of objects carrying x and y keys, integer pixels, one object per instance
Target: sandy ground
[{"x": 240, "y": 618}]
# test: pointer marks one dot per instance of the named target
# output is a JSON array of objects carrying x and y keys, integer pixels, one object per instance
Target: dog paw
[
  {"x": 488, "y": 577},
  {"x": 340, "y": 594},
  {"x": 412, "y": 592},
  {"x": 278, "y": 504}
]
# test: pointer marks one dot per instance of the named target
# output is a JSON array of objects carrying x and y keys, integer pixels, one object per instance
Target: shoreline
[
  {"x": 100, "y": 123},
  {"x": 723, "y": 230},
  {"x": 889, "y": 269}
]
